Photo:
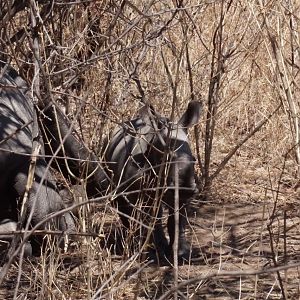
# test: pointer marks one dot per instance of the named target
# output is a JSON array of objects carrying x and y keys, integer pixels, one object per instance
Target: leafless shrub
[{"x": 99, "y": 61}]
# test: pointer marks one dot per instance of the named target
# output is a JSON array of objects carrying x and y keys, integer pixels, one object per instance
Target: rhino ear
[{"x": 191, "y": 115}]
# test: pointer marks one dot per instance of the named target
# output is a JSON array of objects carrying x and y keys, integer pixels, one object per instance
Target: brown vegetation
[{"x": 100, "y": 60}]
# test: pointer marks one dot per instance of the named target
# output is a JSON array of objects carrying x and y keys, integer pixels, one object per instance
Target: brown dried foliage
[{"x": 105, "y": 58}]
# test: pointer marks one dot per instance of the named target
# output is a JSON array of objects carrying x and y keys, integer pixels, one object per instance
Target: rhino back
[
  {"x": 16, "y": 115},
  {"x": 126, "y": 150}
]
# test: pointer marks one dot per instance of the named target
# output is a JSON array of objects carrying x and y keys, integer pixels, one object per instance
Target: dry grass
[{"x": 240, "y": 58}]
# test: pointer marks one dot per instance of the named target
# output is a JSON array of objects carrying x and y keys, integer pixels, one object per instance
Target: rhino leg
[
  {"x": 158, "y": 243},
  {"x": 184, "y": 248},
  {"x": 159, "y": 240}
]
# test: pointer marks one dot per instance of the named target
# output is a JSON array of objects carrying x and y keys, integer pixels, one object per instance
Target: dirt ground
[{"x": 235, "y": 236}]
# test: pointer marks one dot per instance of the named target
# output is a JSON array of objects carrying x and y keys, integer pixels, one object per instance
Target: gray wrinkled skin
[
  {"x": 135, "y": 155},
  {"x": 18, "y": 128},
  {"x": 9, "y": 226}
]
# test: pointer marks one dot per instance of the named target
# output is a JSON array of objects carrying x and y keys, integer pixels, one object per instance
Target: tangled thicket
[{"x": 100, "y": 60}]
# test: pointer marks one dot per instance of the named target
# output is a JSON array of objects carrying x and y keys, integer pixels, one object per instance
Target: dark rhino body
[
  {"x": 133, "y": 157},
  {"x": 7, "y": 229},
  {"x": 78, "y": 163},
  {"x": 143, "y": 156},
  {"x": 18, "y": 129}
]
